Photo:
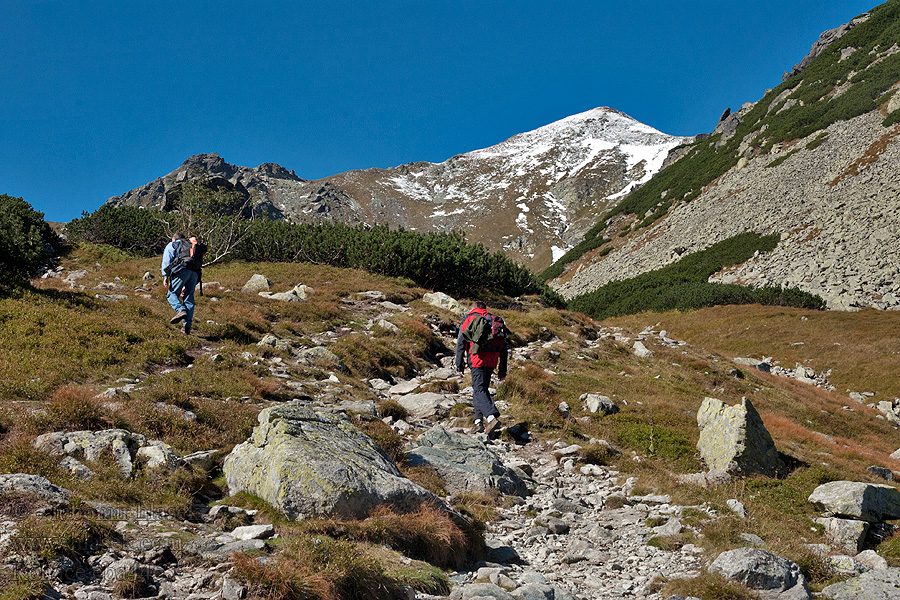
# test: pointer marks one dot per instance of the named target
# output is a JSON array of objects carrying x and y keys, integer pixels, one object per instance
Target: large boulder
[
  {"x": 871, "y": 502},
  {"x": 464, "y": 463},
  {"x": 308, "y": 463},
  {"x": 772, "y": 576},
  {"x": 880, "y": 584},
  {"x": 735, "y": 440}
]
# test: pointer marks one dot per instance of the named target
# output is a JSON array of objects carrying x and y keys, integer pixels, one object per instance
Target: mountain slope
[
  {"x": 815, "y": 161},
  {"x": 531, "y": 196}
]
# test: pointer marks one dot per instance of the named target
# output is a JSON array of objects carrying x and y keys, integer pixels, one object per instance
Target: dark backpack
[
  {"x": 486, "y": 333},
  {"x": 188, "y": 255}
]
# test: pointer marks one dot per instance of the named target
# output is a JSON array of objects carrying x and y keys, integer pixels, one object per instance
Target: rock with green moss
[
  {"x": 307, "y": 463},
  {"x": 735, "y": 440}
]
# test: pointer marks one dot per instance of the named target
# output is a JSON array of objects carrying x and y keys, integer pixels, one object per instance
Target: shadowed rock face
[
  {"x": 314, "y": 464},
  {"x": 734, "y": 439},
  {"x": 869, "y": 502}
]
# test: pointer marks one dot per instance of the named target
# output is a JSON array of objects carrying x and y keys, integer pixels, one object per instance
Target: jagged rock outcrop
[
  {"x": 311, "y": 463},
  {"x": 826, "y": 39},
  {"x": 264, "y": 185}
]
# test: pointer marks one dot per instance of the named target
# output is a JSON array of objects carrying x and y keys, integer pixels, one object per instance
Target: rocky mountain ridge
[{"x": 532, "y": 196}]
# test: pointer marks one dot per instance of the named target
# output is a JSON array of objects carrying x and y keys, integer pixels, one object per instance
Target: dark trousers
[{"x": 481, "y": 397}]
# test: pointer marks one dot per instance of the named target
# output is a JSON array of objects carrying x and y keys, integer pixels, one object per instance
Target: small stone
[{"x": 253, "y": 532}]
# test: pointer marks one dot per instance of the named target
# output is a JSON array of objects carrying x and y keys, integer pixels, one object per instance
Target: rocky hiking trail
[{"x": 567, "y": 528}]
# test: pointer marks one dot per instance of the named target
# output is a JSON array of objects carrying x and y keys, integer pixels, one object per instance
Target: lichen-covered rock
[
  {"x": 735, "y": 440},
  {"x": 257, "y": 283},
  {"x": 308, "y": 463},
  {"x": 442, "y": 300},
  {"x": 881, "y": 584},
  {"x": 464, "y": 463},
  {"x": 769, "y": 574},
  {"x": 872, "y": 502}
]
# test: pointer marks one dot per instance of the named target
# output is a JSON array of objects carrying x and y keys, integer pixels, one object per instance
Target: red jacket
[{"x": 481, "y": 359}]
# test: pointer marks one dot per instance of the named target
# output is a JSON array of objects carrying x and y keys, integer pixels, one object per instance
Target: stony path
[{"x": 565, "y": 536}]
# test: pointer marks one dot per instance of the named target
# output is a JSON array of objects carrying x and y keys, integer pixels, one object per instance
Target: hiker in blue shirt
[{"x": 180, "y": 281}]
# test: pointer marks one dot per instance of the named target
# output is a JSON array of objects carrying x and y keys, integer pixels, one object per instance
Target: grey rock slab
[
  {"x": 465, "y": 463},
  {"x": 847, "y": 535},
  {"x": 34, "y": 484},
  {"x": 310, "y": 463},
  {"x": 871, "y": 559},
  {"x": 882, "y": 584},
  {"x": 405, "y": 387},
  {"x": 253, "y": 532},
  {"x": 595, "y": 403},
  {"x": 535, "y": 591},
  {"x": 481, "y": 591},
  {"x": 442, "y": 300},
  {"x": 501, "y": 553},
  {"x": 760, "y": 570},
  {"x": 857, "y": 500},
  {"x": 426, "y": 404},
  {"x": 641, "y": 351}
]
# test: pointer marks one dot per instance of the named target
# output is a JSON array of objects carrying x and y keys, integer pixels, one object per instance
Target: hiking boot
[
  {"x": 186, "y": 329},
  {"x": 477, "y": 428},
  {"x": 492, "y": 430},
  {"x": 178, "y": 316}
]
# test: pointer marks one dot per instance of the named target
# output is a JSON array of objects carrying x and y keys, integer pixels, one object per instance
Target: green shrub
[
  {"x": 683, "y": 285},
  {"x": 135, "y": 230},
  {"x": 26, "y": 242},
  {"x": 781, "y": 159}
]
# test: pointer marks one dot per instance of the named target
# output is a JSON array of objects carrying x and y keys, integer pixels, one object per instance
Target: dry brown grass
[{"x": 860, "y": 348}]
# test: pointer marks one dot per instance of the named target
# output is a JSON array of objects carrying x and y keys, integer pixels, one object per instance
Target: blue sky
[{"x": 101, "y": 97}]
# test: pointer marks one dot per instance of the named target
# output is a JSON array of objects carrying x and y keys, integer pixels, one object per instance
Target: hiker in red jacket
[{"x": 485, "y": 352}]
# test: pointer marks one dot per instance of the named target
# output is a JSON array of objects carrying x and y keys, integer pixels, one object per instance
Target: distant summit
[{"x": 532, "y": 196}]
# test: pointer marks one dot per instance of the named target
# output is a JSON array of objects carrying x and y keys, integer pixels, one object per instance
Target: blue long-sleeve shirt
[{"x": 168, "y": 257}]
